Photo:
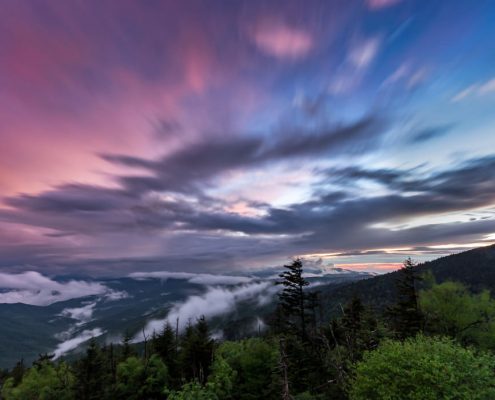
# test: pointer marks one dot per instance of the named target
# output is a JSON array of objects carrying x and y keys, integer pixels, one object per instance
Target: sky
[{"x": 226, "y": 136}]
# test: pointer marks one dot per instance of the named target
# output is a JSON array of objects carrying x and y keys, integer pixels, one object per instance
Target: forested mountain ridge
[
  {"x": 474, "y": 268},
  {"x": 420, "y": 340}
]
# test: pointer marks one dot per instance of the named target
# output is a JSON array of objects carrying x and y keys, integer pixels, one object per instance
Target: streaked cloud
[
  {"x": 477, "y": 89},
  {"x": 379, "y": 4},
  {"x": 350, "y": 74},
  {"x": 194, "y": 137},
  {"x": 362, "y": 53},
  {"x": 282, "y": 41}
]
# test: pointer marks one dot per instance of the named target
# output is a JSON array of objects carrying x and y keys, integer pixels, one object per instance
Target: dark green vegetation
[
  {"x": 474, "y": 268},
  {"x": 428, "y": 336},
  {"x": 27, "y": 330}
]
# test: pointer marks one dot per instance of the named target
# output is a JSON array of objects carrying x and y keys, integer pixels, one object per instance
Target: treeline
[{"x": 435, "y": 342}]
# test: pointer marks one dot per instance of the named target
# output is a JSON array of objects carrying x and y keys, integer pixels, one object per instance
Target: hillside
[{"x": 475, "y": 268}]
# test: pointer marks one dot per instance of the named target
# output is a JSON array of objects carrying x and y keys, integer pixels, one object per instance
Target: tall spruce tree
[
  {"x": 18, "y": 372},
  {"x": 165, "y": 345},
  {"x": 405, "y": 316},
  {"x": 292, "y": 298},
  {"x": 127, "y": 350},
  {"x": 196, "y": 353},
  {"x": 90, "y": 374}
]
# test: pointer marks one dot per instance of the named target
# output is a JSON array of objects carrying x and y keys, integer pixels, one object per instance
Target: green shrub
[{"x": 424, "y": 369}]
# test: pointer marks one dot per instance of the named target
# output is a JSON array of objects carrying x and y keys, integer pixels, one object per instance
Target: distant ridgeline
[
  {"x": 433, "y": 323},
  {"x": 474, "y": 268}
]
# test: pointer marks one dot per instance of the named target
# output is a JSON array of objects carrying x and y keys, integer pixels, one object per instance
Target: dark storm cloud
[
  {"x": 339, "y": 222},
  {"x": 70, "y": 207},
  {"x": 198, "y": 163},
  {"x": 70, "y": 198},
  {"x": 470, "y": 182},
  {"x": 213, "y": 238},
  {"x": 77, "y": 208}
]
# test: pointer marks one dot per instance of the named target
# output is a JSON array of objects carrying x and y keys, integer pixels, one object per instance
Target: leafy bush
[
  {"x": 43, "y": 382},
  {"x": 424, "y": 369},
  {"x": 451, "y": 310}
]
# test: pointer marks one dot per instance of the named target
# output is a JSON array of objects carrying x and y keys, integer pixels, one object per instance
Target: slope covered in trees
[
  {"x": 416, "y": 345},
  {"x": 474, "y": 268}
]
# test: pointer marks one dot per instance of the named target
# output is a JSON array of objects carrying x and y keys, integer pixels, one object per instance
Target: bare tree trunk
[
  {"x": 284, "y": 366},
  {"x": 145, "y": 345},
  {"x": 177, "y": 335}
]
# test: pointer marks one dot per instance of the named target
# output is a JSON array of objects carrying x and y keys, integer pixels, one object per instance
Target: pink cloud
[
  {"x": 283, "y": 41},
  {"x": 100, "y": 89},
  {"x": 378, "y": 4}
]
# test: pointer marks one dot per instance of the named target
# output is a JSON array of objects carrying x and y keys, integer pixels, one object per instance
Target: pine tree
[
  {"x": 204, "y": 349},
  {"x": 43, "y": 359},
  {"x": 292, "y": 298},
  {"x": 405, "y": 316},
  {"x": 18, "y": 372},
  {"x": 90, "y": 374},
  {"x": 356, "y": 331},
  {"x": 313, "y": 307},
  {"x": 127, "y": 350},
  {"x": 196, "y": 351},
  {"x": 165, "y": 345}
]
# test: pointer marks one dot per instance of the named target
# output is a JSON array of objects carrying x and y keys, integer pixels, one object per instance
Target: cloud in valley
[
  {"x": 216, "y": 301},
  {"x": 201, "y": 279},
  {"x": 73, "y": 343},
  {"x": 33, "y": 288}
]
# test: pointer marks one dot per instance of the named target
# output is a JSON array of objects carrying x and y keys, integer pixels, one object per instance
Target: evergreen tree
[
  {"x": 165, "y": 346},
  {"x": 90, "y": 373},
  {"x": 197, "y": 351},
  {"x": 43, "y": 359},
  {"x": 405, "y": 316},
  {"x": 313, "y": 307},
  {"x": 127, "y": 350},
  {"x": 357, "y": 330},
  {"x": 18, "y": 372},
  {"x": 292, "y": 298}
]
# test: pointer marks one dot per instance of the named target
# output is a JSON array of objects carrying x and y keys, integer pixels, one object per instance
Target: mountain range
[
  {"x": 60, "y": 314},
  {"x": 62, "y": 317}
]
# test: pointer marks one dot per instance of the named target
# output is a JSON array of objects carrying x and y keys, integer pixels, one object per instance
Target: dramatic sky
[{"x": 213, "y": 136}]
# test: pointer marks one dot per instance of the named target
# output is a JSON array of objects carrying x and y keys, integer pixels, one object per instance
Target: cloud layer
[
  {"x": 33, "y": 288},
  {"x": 73, "y": 343},
  {"x": 200, "y": 138},
  {"x": 215, "y": 302}
]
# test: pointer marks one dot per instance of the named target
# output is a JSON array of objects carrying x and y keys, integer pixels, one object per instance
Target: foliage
[
  {"x": 196, "y": 352},
  {"x": 348, "y": 338},
  {"x": 424, "y": 368},
  {"x": 405, "y": 316},
  {"x": 91, "y": 376},
  {"x": 166, "y": 346},
  {"x": 43, "y": 382},
  {"x": 194, "y": 391},
  {"x": 300, "y": 358},
  {"x": 141, "y": 379},
  {"x": 450, "y": 309},
  {"x": 292, "y": 298},
  {"x": 254, "y": 362}
]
